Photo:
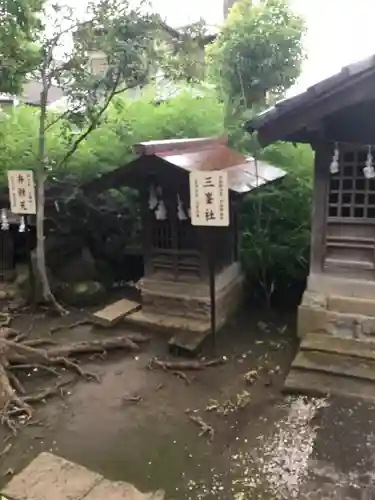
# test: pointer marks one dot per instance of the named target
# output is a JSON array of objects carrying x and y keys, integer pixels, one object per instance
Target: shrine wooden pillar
[{"x": 7, "y": 261}]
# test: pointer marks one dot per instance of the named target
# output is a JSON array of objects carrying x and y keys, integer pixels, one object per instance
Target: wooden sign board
[
  {"x": 209, "y": 198},
  {"x": 22, "y": 192}
]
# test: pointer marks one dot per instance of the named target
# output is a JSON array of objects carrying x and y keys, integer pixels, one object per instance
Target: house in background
[
  {"x": 30, "y": 96},
  {"x": 165, "y": 87}
]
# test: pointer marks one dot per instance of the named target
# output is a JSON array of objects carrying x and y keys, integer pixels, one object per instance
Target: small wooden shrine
[
  {"x": 175, "y": 290},
  {"x": 337, "y": 117},
  {"x": 10, "y": 225}
]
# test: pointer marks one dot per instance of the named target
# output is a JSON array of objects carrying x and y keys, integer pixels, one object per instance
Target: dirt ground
[{"x": 151, "y": 440}]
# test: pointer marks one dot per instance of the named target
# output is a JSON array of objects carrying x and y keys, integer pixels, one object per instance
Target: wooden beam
[
  {"x": 319, "y": 208},
  {"x": 354, "y": 92}
]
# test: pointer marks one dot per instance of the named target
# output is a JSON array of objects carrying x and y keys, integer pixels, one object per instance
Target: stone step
[
  {"x": 152, "y": 322},
  {"x": 329, "y": 344},
  {"x": 351, "y": 305},
  {"x": 335, "y": 323},
  {"x": 337, "y": 364},
  {"x": 329, "y": 365},
  {"x": 185, "y": 334},
  {"x": 318, "y": 384}
]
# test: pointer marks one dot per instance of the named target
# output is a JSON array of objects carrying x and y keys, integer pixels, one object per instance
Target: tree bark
[{"x": 47, "y": 294}]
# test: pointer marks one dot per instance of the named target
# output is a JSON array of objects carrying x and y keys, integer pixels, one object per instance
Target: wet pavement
[
  {"x": 343, "y": 461},
  {"x": 266, "y": 446},
  {"x": 321, "y": 449}
]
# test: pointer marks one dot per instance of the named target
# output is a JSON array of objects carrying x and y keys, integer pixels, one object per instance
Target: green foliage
[
  {"x": 126, "y": 122},
  {"x": 275, "y": 223},
  {"x": 256, "y": 57},
  {"x": 95, "y": 222},
  {"x": 121, "y": 34},
  {"x": 258, "y": 51},
  {"x": 19, "y": 29},
  {"x": 130, "y": 121},
  {"x": 109, "y": 52},
  {"x": 181, "y": 52}
]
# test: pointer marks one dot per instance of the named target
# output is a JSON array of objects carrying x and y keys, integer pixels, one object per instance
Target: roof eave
[{"x": 317, "y": 95}]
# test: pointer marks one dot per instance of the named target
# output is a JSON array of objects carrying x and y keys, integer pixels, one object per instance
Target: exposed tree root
[
  {"x": 51, "y": 299},
  {"x": 6, "y": 450},
  {"x": 38, "y": 342},
  {"x": 35, "y": 366},
  {"x": 5, "y": 319},
  {"x": 70, "y": 326},
  {"x": 15, "y": 403},
  {"x": 8, "y": 333},
  {"x": 16, "y": 383},
  {"x": 206, "y": 429},
  {"x": 48, "y": 391},
  {"x": 182, "y": 376},
  {"x": 138, "y": 338},
  {"x": 185, "y": 365},
  {"x": 132, "y": 399},
  {"x": 92, "y": 346},
  {"x": 21, "y": 337}
]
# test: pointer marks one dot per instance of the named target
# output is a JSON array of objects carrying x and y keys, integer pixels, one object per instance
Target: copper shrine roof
[
  {"x": 205, "y": 154},
  {"x": 213, "y": 154}
]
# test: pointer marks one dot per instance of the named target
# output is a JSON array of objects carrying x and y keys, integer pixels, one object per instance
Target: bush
[
  {"x": 127, "y": 122},
  {"x": 72, "y": 221},
  {"x": 275, "y": 227},
  {"x": 275, "y": 220}
]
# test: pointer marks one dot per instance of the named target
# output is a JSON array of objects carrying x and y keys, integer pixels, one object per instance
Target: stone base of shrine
[
  {"x": 192, "y": 300},
  {"x": 178, "y": 306},
  {"x": 336, "y": 323},
  {"x": 341, "y": 307}
]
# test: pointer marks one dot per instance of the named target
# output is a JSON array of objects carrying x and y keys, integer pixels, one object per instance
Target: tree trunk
[
  {"x": 42, "y": 277},
  {"x": 227, "y": 5}
]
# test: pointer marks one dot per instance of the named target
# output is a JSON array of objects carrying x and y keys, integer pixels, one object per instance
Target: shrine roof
[
  {"x": 187, "y": 155},
  {"x": 296, "y": 118}
]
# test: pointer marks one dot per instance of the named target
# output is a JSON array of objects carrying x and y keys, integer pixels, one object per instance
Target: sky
[{"x": 340, "y": 32}]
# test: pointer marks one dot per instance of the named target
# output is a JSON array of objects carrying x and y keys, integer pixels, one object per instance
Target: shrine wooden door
[{"x": 350, "y": 230}]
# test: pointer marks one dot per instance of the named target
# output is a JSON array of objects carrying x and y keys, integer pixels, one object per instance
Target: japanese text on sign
[
  {"x": 209, "y": 198},
  {"x": 21, "y": 191}
]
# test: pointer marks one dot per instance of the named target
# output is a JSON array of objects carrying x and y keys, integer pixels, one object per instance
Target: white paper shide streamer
[
  {"x": 22, "y": 226},
  {"x": 4, "y": 220},
  {"x": 181, "y": 214},
  {"x": 368, "y": 170},
  {"x": 334, "y": 166}
]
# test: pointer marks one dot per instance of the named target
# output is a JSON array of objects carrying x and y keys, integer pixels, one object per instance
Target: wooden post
[
  {"x": 32, "y": 282},
  {"x": 212, "y": 281},
  {"x": 319, "y": 209}
]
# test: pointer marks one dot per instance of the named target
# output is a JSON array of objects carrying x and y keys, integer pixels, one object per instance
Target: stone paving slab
[
  {"x": 49, "y": 477},
  {"x": 119, "y": 491}
]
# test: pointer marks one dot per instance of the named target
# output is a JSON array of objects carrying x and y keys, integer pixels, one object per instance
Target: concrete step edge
[
  {"x": 323, "y": 385},
  {"x": 342, "y": 346}
]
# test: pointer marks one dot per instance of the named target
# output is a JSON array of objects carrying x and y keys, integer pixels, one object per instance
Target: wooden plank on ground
[
  {"x": 115, "y": 312},
  {"x": 348, "y": 347},
  {"x": 335, "y": 364}
]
